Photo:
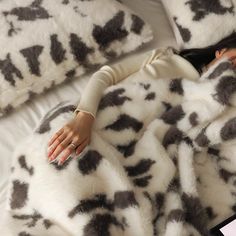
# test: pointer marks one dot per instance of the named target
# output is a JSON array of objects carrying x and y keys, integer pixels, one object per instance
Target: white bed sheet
[{"x": 16, "y": 126}]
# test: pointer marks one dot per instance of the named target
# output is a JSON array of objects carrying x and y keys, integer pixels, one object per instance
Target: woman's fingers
[
  {"x": 56, "y": 135},
  {"x": 55, "y": 143},
  {"x": 66, "y": 154},
  {"x": 60, "y": 147},
  {"x": 70, "y": 149},
  {"x": 81, "y": 147},
  {"x": 76, "y": 131}
]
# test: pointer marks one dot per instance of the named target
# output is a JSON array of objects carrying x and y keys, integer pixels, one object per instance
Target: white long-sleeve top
[{"x": 157, "y": 63}]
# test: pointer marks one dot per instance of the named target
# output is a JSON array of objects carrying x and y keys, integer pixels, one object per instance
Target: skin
[
  {"x": 78, "y": 130},
  {"x": 230, "y": 53}
]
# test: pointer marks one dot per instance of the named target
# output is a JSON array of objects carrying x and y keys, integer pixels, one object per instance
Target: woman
[{"x": 164, "y": 62}]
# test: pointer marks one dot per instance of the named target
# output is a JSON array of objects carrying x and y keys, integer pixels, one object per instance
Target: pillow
[
  {"x": 44, "y": 42},
  {"x": 201, "y": 23}
]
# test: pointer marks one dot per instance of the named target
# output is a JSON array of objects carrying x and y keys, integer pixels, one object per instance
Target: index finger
[{"x": 55, "y": 136}]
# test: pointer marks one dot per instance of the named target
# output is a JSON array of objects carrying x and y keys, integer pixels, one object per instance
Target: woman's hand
[{"x": 76, "y": 131}]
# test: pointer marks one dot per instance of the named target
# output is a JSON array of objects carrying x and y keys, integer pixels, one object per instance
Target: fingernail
[
  {"x": 51, "y": 158},
  {"x": 51, "y": 161},
  {"x": 60, "y": 163},
  {"x": 49, "y": 151}
]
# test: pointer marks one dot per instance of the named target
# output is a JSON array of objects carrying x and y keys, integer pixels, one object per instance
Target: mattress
[{"x": 16, "y": 126}]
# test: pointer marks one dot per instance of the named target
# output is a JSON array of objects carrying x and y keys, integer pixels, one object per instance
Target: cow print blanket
[
  {"x": 214, "y": 20},
  {"x": 162, "y": 161}
]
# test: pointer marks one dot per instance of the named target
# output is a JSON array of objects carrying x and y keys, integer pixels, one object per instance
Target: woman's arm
[
  {"x": 78, "y": 130},
  {"x": 111, "y": 75}
]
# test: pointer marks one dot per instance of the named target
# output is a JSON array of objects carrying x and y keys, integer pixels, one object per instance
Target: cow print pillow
[
  {"x": 44, "y": 42},
  {"x": 201, "y": 23}
]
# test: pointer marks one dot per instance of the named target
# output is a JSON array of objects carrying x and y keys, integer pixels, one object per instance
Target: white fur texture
[
  {"x": 138, "y": 176},
  {"x": 206, "y": 31},
  {"x": 44, "y": 42}
]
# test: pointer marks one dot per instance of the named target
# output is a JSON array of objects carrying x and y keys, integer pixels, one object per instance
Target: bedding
[
  {"x": 201, "y": 23},
  {"x": 45, "y": 42},
  {"x": 20, "y": 123},
  {"x": 161, "y": 162}
]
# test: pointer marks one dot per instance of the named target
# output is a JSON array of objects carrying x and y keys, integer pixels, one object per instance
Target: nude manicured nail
[
  {"x": 52, "y": 157},
  {"x": 51, "y": 161},
  {"x": 60, "y": 163}
]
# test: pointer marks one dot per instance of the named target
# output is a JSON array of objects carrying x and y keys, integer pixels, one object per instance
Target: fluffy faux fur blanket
[{"x": 162, "y": 161}]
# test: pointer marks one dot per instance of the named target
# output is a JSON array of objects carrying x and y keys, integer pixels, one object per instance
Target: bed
[
  {"x": 17, "y": 125},
  {"x": 161, "y": 160}
]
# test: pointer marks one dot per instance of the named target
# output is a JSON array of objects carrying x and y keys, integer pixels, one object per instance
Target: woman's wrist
[{"x": 85, "y": 115}]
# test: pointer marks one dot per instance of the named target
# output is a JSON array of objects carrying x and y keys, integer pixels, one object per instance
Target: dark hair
[{"x": 200, "y": 57}]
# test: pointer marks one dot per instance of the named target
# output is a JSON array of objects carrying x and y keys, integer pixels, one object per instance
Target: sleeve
[{"x": 111, "y": 75}]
